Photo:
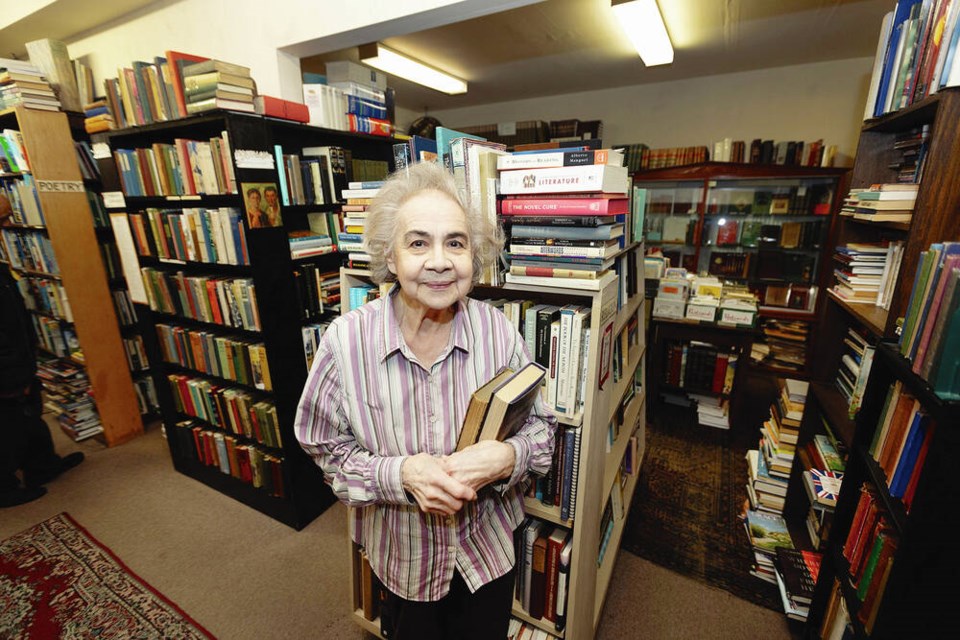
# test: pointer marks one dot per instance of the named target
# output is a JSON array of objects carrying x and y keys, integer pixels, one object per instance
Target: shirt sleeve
[
  {"x": 533, "y": 444},
  {"x": 357, "y": 476}
]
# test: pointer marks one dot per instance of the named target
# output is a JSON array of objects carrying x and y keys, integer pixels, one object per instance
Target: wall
[{"x": 802, "y": 102}]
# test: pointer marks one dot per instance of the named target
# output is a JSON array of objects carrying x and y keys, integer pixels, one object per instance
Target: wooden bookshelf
[{"x": 53, "y": 161}]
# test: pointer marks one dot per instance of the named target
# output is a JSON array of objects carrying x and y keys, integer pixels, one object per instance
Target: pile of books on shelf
[
  {"x": 543, "y": 570},
  {"x": 195, "y": 234},
  {"x": 707, "y": 299},
  {"x": 866, "y": 272},
  {"x": 215, "y": 84},
  {"x": 766, "y": 492},
  {"x": 796, "y": 573},
  {"x": 185, "y": 167},
  {"x": 854, "y": 369},
  {"x": 305, "y": 243},
  {"x": 881, "y": 203},
  {"x": 700, "y": 374},
  {"x": 67, "y": 393},
  {"x": 915, "y": 55},
  {"x": 97, "y": 116},
  {"x": 357, "y": 198},
  {"x": 22, "y": 83},
  {"x": 930, "y": 337},
  {"x": 780, "y": 432},
  {"x": 784, "y": 344},
  {"x": 672, "y": 157},
  {"x": 566, "y": 213},
  {"x": 354, "y": 98},
  {"x": 912, "y": 147}
]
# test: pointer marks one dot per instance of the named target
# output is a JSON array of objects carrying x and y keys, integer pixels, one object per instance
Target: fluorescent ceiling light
[
  {"x": 643, "y": 24},
  {"x": 388, "y": 61}
]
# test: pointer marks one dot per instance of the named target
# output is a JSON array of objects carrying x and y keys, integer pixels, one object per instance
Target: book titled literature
[{"x": 589, "y": 178}]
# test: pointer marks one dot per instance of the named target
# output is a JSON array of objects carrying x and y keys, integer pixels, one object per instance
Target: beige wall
[{"x": 802, "y": 102}]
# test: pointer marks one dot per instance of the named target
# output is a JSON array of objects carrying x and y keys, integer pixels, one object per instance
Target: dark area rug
[
  {"x": 691, "y": 490},
  {"x": 58, "y": 581}
]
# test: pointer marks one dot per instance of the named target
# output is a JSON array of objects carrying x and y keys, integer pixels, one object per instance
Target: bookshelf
[
  {"x": 925, "y": 561},
  {"x": 620, "y": 399},
  {"x": 766, "y": 226},
  {"x": 934, "y": 219},
  {"x": 252, "y": 309},
  {"x": 70, "y": 231}
]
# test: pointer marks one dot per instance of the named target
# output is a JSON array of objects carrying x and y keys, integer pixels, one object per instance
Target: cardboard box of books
[
  {"x": 707, "y": 287},
  {"x": 737, "y": 317},
  {"x": 669, "y": 308},
  {"x": 702, "y": 308}
]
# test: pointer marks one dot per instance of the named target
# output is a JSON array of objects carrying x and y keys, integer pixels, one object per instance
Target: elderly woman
[{"x": 384, "y": 404}]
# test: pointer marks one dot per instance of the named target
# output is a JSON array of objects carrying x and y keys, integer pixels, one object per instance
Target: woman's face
[
  {"x": 253, "y": 199},
  {"x": 432, "y": 257}
]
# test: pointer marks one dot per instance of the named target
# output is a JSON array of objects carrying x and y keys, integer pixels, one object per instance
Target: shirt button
[{"x": 433, "y": 418}]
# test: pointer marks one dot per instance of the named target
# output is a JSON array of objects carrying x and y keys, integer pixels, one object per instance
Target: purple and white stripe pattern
[{"x": 368, "y": 403}]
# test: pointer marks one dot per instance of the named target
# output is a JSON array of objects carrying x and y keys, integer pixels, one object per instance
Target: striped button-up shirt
[{"x": 368, "y": 404}]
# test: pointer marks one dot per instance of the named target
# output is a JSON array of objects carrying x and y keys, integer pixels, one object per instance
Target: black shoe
[
  {"x": 37, "y": 478},
  {"x": 14, "y": 497}
]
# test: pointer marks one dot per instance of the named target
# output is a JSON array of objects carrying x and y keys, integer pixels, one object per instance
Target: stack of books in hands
[
  {"x": 566, "y": 210},
  {"x": 22, "y": 83},
  {"x": 215, "y": 84}
]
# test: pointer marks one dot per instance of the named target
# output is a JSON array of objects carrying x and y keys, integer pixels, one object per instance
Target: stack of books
[
  {"x": 779, "y": 433},
  {"x": 354, "y": 98},
  {"x": 786, "y": 342},
  {"x": 215, "y": 84},
  {"x": 888, "y": 202},
  {"x": 767, "y": 532},
  {"x": 357, "y": 198},
  {"x": 306, "y": 243},
  {"x": 22, "y": 83},
  {"x": 866, "y": 272},
  {"x": 97, "y": 116},
  {"x": 796, "y": 573},
  {"x": 766, "y": 492},
  {"x": 67, "y": 394},
  {"x": 566, "y": 211}
]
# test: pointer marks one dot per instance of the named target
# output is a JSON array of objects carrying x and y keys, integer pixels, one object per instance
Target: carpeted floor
[
  {"x": 685, "y": 510},
  {"x": 58, "y": 581}
]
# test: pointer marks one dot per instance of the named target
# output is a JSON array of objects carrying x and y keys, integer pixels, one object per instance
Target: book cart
[
  {"x": 623, "y": 400},
  {"x": 294, "y": 493},
  {"x": 69, "y": 231}
]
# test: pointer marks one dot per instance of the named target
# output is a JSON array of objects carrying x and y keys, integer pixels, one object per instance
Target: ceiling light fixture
[
  {"x": 643, "y": 24},
  {"x": 389, "y": 61}
]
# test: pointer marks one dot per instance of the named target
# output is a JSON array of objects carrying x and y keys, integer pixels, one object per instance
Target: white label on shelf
[
  {"x": 101, "y": 150},
  {"x": 114, "y": 200},
  {"x": 506, "y": 128},
  {"x": 190, "y": 197},
  {"x": 60, "y": 186},
  {"x": 172, "y": 261}
]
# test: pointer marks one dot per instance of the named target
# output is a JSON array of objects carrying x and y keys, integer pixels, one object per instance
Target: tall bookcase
[
  {"x": 278, "y": 306},
  {"x": 936, "y": 217},
  {"x": 925, "y": 562},
  {"x": 766, "y": 226},
  {"x": 70, "y": 229},
  {"x": 612, "y": 316}
]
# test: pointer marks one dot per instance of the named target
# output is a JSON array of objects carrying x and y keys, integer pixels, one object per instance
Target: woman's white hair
[{"x": 380, "y": 230}]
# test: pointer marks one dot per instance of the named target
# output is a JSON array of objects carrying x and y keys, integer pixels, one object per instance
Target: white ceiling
[
  {"x": 564, "y": 46},
  {"x": 551, "y": 47}
]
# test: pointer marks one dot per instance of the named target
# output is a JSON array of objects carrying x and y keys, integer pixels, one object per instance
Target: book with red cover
[
  {"x": 178, "y": 61},
  {"x": 564, "y": 206},
  {"x": 554, "y": 546},
  {"x": 727, "y": 233}
]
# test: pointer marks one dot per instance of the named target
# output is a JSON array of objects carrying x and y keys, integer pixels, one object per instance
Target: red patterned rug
[{"x": 58, "y": 581}]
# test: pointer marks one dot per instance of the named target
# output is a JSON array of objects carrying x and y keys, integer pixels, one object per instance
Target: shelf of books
[
  {"x": 573, "y": 289},
  {"x": 48, "y": 247},
  {"x": 230, "y": 225}
]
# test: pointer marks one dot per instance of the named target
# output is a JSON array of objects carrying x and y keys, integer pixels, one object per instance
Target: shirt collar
[{"x": 391, "y": 338}]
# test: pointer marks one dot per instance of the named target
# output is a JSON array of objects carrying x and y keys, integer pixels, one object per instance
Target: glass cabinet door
[
  {"x": 671, "y": 213},
  {"x": 768, "y": 234}
]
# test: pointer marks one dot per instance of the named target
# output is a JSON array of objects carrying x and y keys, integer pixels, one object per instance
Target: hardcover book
[
  {"x": 477, "y": 409},
  {"x": 509, "y": 406}
]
